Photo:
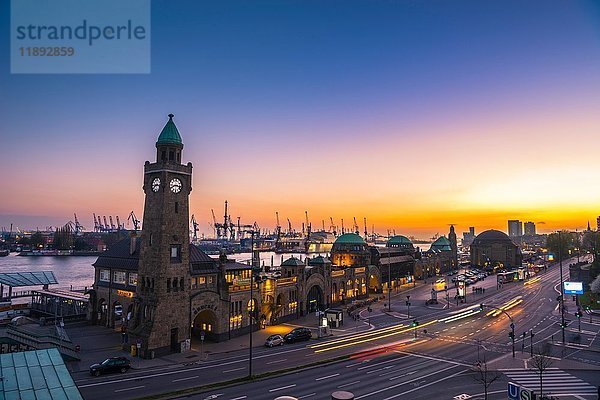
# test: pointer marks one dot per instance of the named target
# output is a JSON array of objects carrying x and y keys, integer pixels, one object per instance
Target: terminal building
[
  {"x": 164, "y": 291},
  {"x": 493, "y": 250}
]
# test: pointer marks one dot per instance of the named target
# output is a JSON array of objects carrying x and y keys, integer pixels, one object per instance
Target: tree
[
  {"x": 560, "y": 244},
  {"x": 484, "y": 376},
  {"x": 540, "y": 362},
  {"x": 37, "y": 240},
  {"x": 595, "y": 285}
]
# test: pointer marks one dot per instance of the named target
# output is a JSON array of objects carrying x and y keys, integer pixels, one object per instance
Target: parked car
[
  {"x": 110, "y": 365},
  {"x": 274, "y": 340},
  {"x": 298, "y": 334}
]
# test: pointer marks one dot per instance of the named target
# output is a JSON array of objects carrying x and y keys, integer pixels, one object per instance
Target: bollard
[{"x": 342, "y": 395}]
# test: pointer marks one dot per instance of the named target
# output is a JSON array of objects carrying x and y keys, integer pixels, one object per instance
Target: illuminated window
[
  {"x": 119, "y": 277},
  {"x": 175, "y": 253},
  {"x": 133, "y": 279},
  {"x": 105, "y": 275}
]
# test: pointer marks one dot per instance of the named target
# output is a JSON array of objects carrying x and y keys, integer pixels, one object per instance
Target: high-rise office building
[
  {"x": 515, "y": 228},
  {"x": 529, "y": 228}
]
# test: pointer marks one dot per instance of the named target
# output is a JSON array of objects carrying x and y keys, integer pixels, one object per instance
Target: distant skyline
[{"x": 413, "y": 114}]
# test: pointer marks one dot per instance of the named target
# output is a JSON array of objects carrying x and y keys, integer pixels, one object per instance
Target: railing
[{"x": 42, "y": 342}]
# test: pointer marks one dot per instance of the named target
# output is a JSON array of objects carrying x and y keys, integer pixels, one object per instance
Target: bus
[{"x": 505, "y": 277}]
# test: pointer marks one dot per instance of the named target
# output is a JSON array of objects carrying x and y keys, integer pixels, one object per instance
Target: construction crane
[
  {"x": 195, "y": 227},
  {"x": 134, "y": 221}
]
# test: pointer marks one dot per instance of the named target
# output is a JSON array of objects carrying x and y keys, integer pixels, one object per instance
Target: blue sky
[{"x": 276, "y": 100}]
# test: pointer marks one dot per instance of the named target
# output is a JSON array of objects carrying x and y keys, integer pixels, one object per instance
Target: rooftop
[
  {"x": 18, "y": 279},
  {"x": 350, "y": 238},
  {"x": 492, "y": 235},
  {"x": 36, "y": 375},
  {"x": 169, "y": 134}
]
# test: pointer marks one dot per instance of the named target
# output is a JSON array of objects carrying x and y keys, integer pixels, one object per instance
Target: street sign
[
  {"x": 512, "y": 326},
  {"x": 516, "y": 392},
  {"x": 202, "y": 335},
  {"x": 573, "y": 287}
]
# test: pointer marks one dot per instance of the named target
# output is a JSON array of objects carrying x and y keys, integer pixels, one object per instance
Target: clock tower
[{"x": 161, "y": 321}]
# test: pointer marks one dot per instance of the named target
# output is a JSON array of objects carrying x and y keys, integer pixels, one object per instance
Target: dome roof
[
  {"x": 350, "y": 238},
  {"x": 491, "y": 236},
  {"x": 441, "y": 244},
  {"x": 399, "y": 239},
  {"x": 292, "y": 262},
  {"x": 169, "y": 134},
  {"x": 319, "y": 260}
]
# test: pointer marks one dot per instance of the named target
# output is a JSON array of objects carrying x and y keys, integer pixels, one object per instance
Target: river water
[{"x": 77, "y": 271}]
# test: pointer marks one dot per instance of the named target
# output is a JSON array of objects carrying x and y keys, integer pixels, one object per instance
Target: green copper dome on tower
[{"x": 169, "y": 134}]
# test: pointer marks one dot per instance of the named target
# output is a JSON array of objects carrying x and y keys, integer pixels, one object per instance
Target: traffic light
[
  {"x": 563, "y": 325},
  {"x": 511, "y": 335},
  {"x": 578, "y": 314},
  {"x": 414, "y": 323},
  {"x": 481, "y": 307}
]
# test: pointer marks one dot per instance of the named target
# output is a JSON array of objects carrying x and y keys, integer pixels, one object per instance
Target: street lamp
[
  {"x": 511, "y": 334},
  {"x": 252, "y": 305},
  {"x": 562, "y": 296},
  {"x": 389, "y": 282}
]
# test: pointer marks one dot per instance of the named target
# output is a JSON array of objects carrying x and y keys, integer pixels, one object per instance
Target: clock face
[
  {"x": 156, "y": 184},
  {"x": 175, "y": 185}
]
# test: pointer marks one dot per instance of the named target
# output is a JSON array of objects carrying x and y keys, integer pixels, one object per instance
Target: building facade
[
  {"x": 515, "y": 228},
  {"x": 529, "y": 229},
  {"x": 493, "y": 250}
]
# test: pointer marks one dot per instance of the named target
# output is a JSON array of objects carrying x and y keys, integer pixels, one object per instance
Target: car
[
  {"x": 110, "y": 365},
  {"x": 274, "y": 340},
  {"x": 298, "y": 334}
]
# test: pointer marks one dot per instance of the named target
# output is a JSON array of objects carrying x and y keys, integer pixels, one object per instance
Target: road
[{"x": 438, "y": 362}]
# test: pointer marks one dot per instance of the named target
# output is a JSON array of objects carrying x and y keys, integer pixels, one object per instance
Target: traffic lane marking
[
  {"x": 282, "y": 388},
  {"x": 130, "y": 388}
]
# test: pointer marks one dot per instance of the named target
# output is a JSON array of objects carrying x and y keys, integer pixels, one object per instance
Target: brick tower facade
[{"x": 161, "y": 321}]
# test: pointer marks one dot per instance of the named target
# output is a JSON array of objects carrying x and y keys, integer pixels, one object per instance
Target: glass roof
[
  {"x": 36, "y": 375},
  {"x": 17, "y": 279}
]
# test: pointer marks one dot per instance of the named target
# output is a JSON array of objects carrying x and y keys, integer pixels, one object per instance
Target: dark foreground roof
[{"x": 36, "y": 375}]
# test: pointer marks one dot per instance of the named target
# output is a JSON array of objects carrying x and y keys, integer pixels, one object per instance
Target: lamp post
[
  {"x": 562, "y": 296},
  {"x": 389, "y": 288},
  {"x": 511, "y": 334},
  {"x": 252, "y": 305},
  {"x": 408, "y": 305}
]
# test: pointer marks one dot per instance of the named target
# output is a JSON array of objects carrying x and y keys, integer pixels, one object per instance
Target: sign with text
[
  {"x": 573, "y": 287},
  {"x": 80, "y": 37},
  {"x": 516, "y": 392}
]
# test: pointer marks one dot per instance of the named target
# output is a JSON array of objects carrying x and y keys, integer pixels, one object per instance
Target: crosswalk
[{"x": 555, "y": 381}]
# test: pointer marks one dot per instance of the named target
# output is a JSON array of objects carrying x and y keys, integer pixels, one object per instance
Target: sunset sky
[{"x": 414, "y": 114}]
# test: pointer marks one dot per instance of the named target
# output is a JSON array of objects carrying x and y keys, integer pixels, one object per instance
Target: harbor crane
[
  {"x": 78, "y": 228},
  {"x": 278, "y": 227},
  {"x": 343, "y": 226},
  {"x": 134, "y": 221},
  {"x": 216, "y": 227},
  {"x": 366, "y": 231},
  {"x": 106, "y": 226},
  {"x": 112, "y": 224},
  {"x": 289, "y": 226},
  {"x": 355, "y": 227},
  {"x": 195, "y": 227},
  {"x": 119, "y": 226},
  {"x": 96, "y": 225},
  {"x": 332, "y": 228}
]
